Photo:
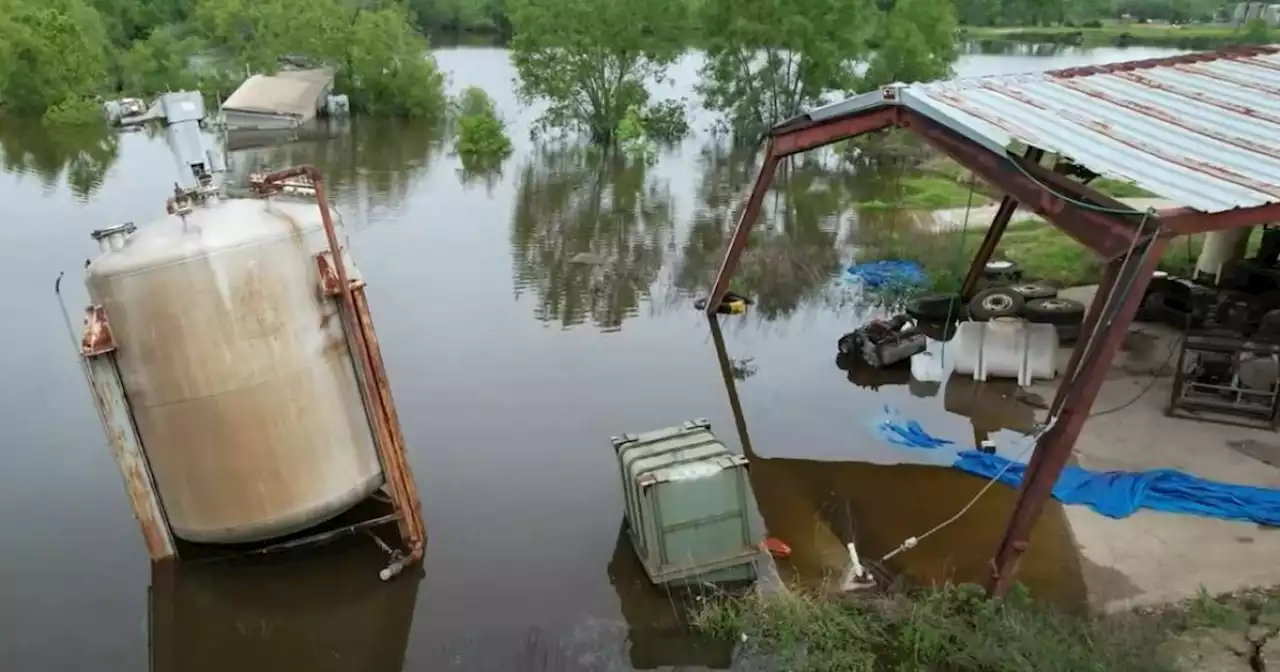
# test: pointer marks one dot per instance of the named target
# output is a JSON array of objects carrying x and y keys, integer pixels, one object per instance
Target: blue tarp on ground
[
  {"x": 888, "y": 272},
  {"x": 1115, "y": 494}
]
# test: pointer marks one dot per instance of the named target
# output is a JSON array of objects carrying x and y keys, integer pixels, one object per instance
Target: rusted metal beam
[
  {"x": 1106, "y": 234},
  {"x": 1087, "y": 328},
  {"x": 747, "y": 220},
  {"x": 126, "y": 446},
  {"x": 1186, "y": 220},
  {"x": 400, "y": 469},
  {"x": 788, "y": 142},
  {"x": 1128, "y": 282},
  {"x": 371, "y": 373},
  {"x": 989, "y": 243}
]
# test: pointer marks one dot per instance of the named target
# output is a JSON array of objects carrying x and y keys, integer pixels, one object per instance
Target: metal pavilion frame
[{"x": 1129, "y": 241}]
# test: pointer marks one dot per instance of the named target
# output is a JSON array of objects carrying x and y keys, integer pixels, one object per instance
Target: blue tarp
[
  {"x": 888, "y": 272},
  {"x": 1115, "y": 494}
]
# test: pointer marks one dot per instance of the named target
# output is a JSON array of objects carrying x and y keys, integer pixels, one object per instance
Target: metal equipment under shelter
[
  {"x": 231, "y": 354},
  {"x": 1199, "y": 130}
]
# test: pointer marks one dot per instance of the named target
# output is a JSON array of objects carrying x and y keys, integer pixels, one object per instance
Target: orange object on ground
[{"x": 776, "y": 547}]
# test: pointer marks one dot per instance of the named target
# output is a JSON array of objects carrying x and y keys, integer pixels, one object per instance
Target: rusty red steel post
[
  {"x": 377, "y": 396},
  {"x": 1131, "y": 277},
  {"x": 747, "y": 220},
  {"x": 1008, "y": 205},
  {"x": 1110, "y": 272},
  {"x": 403, "y": 471}
]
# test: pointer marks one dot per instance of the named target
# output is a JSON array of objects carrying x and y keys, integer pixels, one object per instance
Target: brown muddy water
[{"x": 512, "y": 365}]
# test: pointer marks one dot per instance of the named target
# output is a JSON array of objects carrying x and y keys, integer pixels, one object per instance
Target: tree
[
  {"x": 917, "y": 43},
  {"x": 590, "y": 60},
  {"x": 768, "y": 60},
  {"x": 54, "y": 53},
  {"x": 161, "y": 62}
]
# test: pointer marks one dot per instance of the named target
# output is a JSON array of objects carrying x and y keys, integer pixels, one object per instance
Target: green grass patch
[
  {"x": 1118, "y": 34},
  {"x": 1120, "y": 188},
  {"x": 946, "y": 627},
  {"x": 1043, "y": 251}
]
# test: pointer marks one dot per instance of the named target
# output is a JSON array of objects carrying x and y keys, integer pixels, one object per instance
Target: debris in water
[{"x": 777, "y": 547}]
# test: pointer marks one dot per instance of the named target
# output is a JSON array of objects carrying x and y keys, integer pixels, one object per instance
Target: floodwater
[{"x": 512, "y": 365}]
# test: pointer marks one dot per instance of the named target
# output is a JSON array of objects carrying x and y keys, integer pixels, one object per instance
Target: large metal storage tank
[{"x": 237, "y": 369}]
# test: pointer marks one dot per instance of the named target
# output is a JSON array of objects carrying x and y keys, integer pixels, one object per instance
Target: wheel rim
[
  {"x": 997, "y": 302},
  {"x": 1056, "y": 305}
]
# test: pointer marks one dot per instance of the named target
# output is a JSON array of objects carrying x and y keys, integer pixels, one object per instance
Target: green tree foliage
[
  {"x": 767, "y": 60},
  {"x": 127, "y": 22},
  {"x": 1256, "y": 32},
  {"x": 382, "y": 61},
  {"x": 159, "y": 62},
  {"x": 476, "y": 16},
  {"x": 916, "y": 43},
  {"x": 53, "y": 53},
  {"x": 590, "y": 60},
  {"x": 482, "y": 140}
]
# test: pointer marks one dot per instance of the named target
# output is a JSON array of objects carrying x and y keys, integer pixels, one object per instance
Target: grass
[
  {"x": 949, "y": 627},
  {"x": 954, "y": 628},
  {"x": 1120, "y": 34},
  {"x": 1043, "y": 251}
]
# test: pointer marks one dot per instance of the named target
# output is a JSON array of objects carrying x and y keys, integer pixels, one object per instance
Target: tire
[
  {"x": 1034, "y": 289},
  {"x": 995, "y": 302},
  {"x": 938, "y": 331},
  {"x": 1002, "y": 270},
  {"x": 1057, "y": 311},
  {"x": 936, "y": 308}
]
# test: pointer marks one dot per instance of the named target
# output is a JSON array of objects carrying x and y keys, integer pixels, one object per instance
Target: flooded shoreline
[{"x": 512, "y": 366}]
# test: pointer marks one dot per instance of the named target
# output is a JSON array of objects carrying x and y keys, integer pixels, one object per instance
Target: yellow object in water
[{"x": 737, "y": 307}]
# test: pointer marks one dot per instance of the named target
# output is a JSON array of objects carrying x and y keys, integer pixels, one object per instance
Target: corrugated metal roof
[
  {"x": 1202, "y": 130},
  {"x": 294, "y": 93}
]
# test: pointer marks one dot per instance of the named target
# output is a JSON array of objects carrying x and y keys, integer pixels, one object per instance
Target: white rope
[{"x": 912, "y": 542}]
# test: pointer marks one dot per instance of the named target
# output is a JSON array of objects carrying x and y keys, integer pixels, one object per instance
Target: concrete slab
[{"x": 1151, "y": 558}]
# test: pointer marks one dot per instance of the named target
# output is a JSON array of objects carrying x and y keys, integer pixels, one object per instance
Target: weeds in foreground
[{"x": 951, "y": 627}]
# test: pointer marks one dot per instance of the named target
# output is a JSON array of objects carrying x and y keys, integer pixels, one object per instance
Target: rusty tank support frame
[
  {"x": 1129, "y": 242},
  {"x": 97, "y": 349}
]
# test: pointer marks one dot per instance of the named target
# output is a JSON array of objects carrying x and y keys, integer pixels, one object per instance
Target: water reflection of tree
[
  {"x": 373, "y": 161},
  {"x": 588, "y": 236},
  {"x": 81, "y": 155},
  {"x": 791, "y": 254}
]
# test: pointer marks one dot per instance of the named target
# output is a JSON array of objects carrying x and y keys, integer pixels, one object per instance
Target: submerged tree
[
  {"x": 589, "y": 235},
  {"x": 916, "y": 43},
  {"x": 591, "y": 60},
  {"x": 769, "y": 60}
]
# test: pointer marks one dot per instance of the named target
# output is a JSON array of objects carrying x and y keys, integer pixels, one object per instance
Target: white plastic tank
[
  {"x": 237, "y": 369},
  {"x": 1006, "y": 348},
  {"x": 1221, "y": 247}
]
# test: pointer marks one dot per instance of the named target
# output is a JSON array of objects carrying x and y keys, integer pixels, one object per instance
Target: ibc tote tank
[{"x": 237, "y": 369}]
